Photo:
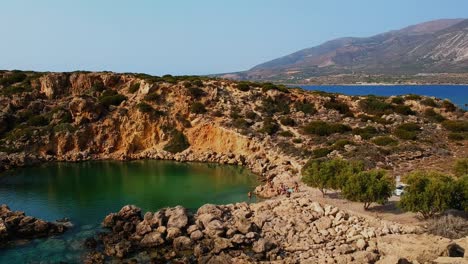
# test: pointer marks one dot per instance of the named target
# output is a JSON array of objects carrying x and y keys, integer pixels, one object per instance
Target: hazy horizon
[{"x": 181, "y": 37}]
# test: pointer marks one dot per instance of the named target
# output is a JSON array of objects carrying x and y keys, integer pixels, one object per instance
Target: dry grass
[{"x": 449, "y": 226}]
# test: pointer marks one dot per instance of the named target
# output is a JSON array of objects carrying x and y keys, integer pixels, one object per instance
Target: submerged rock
[{"x": 16, "y": 225}]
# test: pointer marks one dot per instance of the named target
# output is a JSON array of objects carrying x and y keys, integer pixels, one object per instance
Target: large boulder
[
  {"x": 152, "y": 239},
  {"x": 177, "y": 217}
]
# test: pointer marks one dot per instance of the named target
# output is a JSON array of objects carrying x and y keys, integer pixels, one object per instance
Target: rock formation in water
[
  {"x": 15, "y": 225},
  {"x": 292, "y": 230}
]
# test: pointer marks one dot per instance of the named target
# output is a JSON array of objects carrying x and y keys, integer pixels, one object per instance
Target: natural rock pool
[{"x": 86, "y": 192}]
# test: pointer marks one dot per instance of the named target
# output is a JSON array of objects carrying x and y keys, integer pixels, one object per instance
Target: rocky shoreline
[
  {"x": 16, "y": 226},
  {"x": 280, "y": 230}
]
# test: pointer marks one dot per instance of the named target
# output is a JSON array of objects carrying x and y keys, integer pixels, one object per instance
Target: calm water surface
[
  {"x": 86, "y": 192},
  {"x": 458, "y": 94}
]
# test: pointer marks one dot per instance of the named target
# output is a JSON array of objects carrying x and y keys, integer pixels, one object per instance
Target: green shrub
[
  {"x": 16, "y": 89},
  {"x": 38, "y": 120},
  {"x": 413, "y": 97},
  {"x": 197, "y": 82},
  {"x": 341, "y": 107},
  {"x": 134, "y": 87},
  {"x": 384, "y": 141},
  {"x": 243, "y": 87},
  {"x": 111, "y": 98},
  {"x": 277, "y": 105},
  {"x": 456, "y": 125},
  {"x": 377, "y": 119},
  {"x": 340, "y": 143},
  {"x": 328, "y": 174},
  {"x": 432, "y": 115},
  {"x": 287, "y": 121},
  {"x": 178, "y": 142},
  {"x": 321, "y": 152},
  {"x": 12, "y": 78},
  {"x": 305, "y": 107},
  {"x": 322, "y": 128},
  {"x": 428, "y": 193},
  {"x": 144, "y": 108},
  {"x": 197, "y": 108},
  {"x": 369, "y": 187},
  {"x": 457, "y": 136},
  {"x": 286, "y": 134},
  {"x": 374, "y": 106},
  {"x": 98, "y": 87},
  {"x": 428, "y": 102},
  {"x": 152, "y": 97},
  {"x": 460, "y": 168},
  {"x": 404, "y": 110},
  {"x": 270, "y": 86},
  {"x": 408, "y": 131},
  {"x": 196, "y": 92},
  {"x": 398, "y": 100},
  {"x": 240, "y": 123},
  {"x": 367, "y": 132},
  {"x": 448, "y": 106},
  {"x": 270, "y": 126},
  {"x": 251, "y": 115},
  {"x": 297, "y": 140},
  {"x": 64, "y": 127}
]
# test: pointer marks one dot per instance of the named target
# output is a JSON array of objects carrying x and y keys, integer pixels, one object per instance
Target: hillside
[
  {"x": 439, "y": 46},
  {"x": 268, "y": 128}
]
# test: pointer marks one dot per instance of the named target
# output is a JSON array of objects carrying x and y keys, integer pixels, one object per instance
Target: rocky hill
[
  {"x": 269, "y": 128},
  {"x": 439, "y": 46}
]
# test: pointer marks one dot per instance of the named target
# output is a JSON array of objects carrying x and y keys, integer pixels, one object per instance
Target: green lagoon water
[{"x": 86, "y": 192}]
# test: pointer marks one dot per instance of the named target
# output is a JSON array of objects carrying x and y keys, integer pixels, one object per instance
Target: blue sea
[{"x": 457, "y": 94}]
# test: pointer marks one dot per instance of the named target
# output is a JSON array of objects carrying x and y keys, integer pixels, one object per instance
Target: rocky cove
[{"x": 93, "y": 116}]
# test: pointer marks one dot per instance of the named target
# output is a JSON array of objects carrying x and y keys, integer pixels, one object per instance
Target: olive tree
[
  {"x": 327, "y": 174},
  {"x": 369, "y": 187},
  {"x": 429, "y": 193}
]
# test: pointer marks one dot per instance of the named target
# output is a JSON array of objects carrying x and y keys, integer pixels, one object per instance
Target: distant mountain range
[{"x": 439, "y": 46}]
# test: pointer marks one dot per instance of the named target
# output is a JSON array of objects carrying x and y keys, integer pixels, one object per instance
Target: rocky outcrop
[
  {"x": 16, "y": 225},
  {"x": 288, "y": 230}
]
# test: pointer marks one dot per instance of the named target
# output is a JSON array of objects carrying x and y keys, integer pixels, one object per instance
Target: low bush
[
  {"x": 455, "y": 125},
  {"x": 428, "y": 102},
  {"x": 404, "y": 110},
  {"x": 286, "y": 134},
  {"x": 448, "y": 106},
  {"x": 413, "y": 97},
  {"x": 197, "y": 108},
  {"x": 322, "y": 128},
  {"x": 297, "y": 140},
  {"x": 305, "y": 107},
  {"x": 460, "y": 168},
  {"x": 251, "y": 115},
  {"x": 38, "y": 120},
  {"x": 275, "y": 105},
  {"x": 398, "y": 100},
  {"x": 270, "y": 126},
  {"x": 449, "y": 226},
  {"x": 134, "y": 88},
  {"x": 12, "y": 78},
  {"x": 407, "y": 131},
  {"x": 177, "y": 143},
  {"x": 64, "y": 127},
  {"x": 144, "y": 108},
  {"x": 341, "y": 107},
  {"x": 321, "y": 152},
  {"x": 152, "y": 97},
  {"x": 432, "y": 115},
  {"x": 270, "y": 86},
  {"x": 384, "y": 141},
  {"x": 457, "y": 136},
  {"x": 367, "y": 132},
  {"x": 374, "y": 106},
  {"x": 287, "y": 121},
  {"x": 243, "y": 87},
  {"x": 196, "y": 92},
  {"x": 240, "y": 123},
  {"x": 111, "y": 97},
  {"x": 340, "y": 143}
]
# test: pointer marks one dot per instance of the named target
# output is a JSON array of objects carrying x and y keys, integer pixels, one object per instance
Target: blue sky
[{"x": 190, "y": 37}]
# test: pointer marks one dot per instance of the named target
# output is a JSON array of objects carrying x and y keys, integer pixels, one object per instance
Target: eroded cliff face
[{"x": 81, "y": 116}]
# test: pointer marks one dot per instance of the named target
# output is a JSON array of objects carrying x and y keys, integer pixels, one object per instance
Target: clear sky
[{"x": 190, "y": 37}]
